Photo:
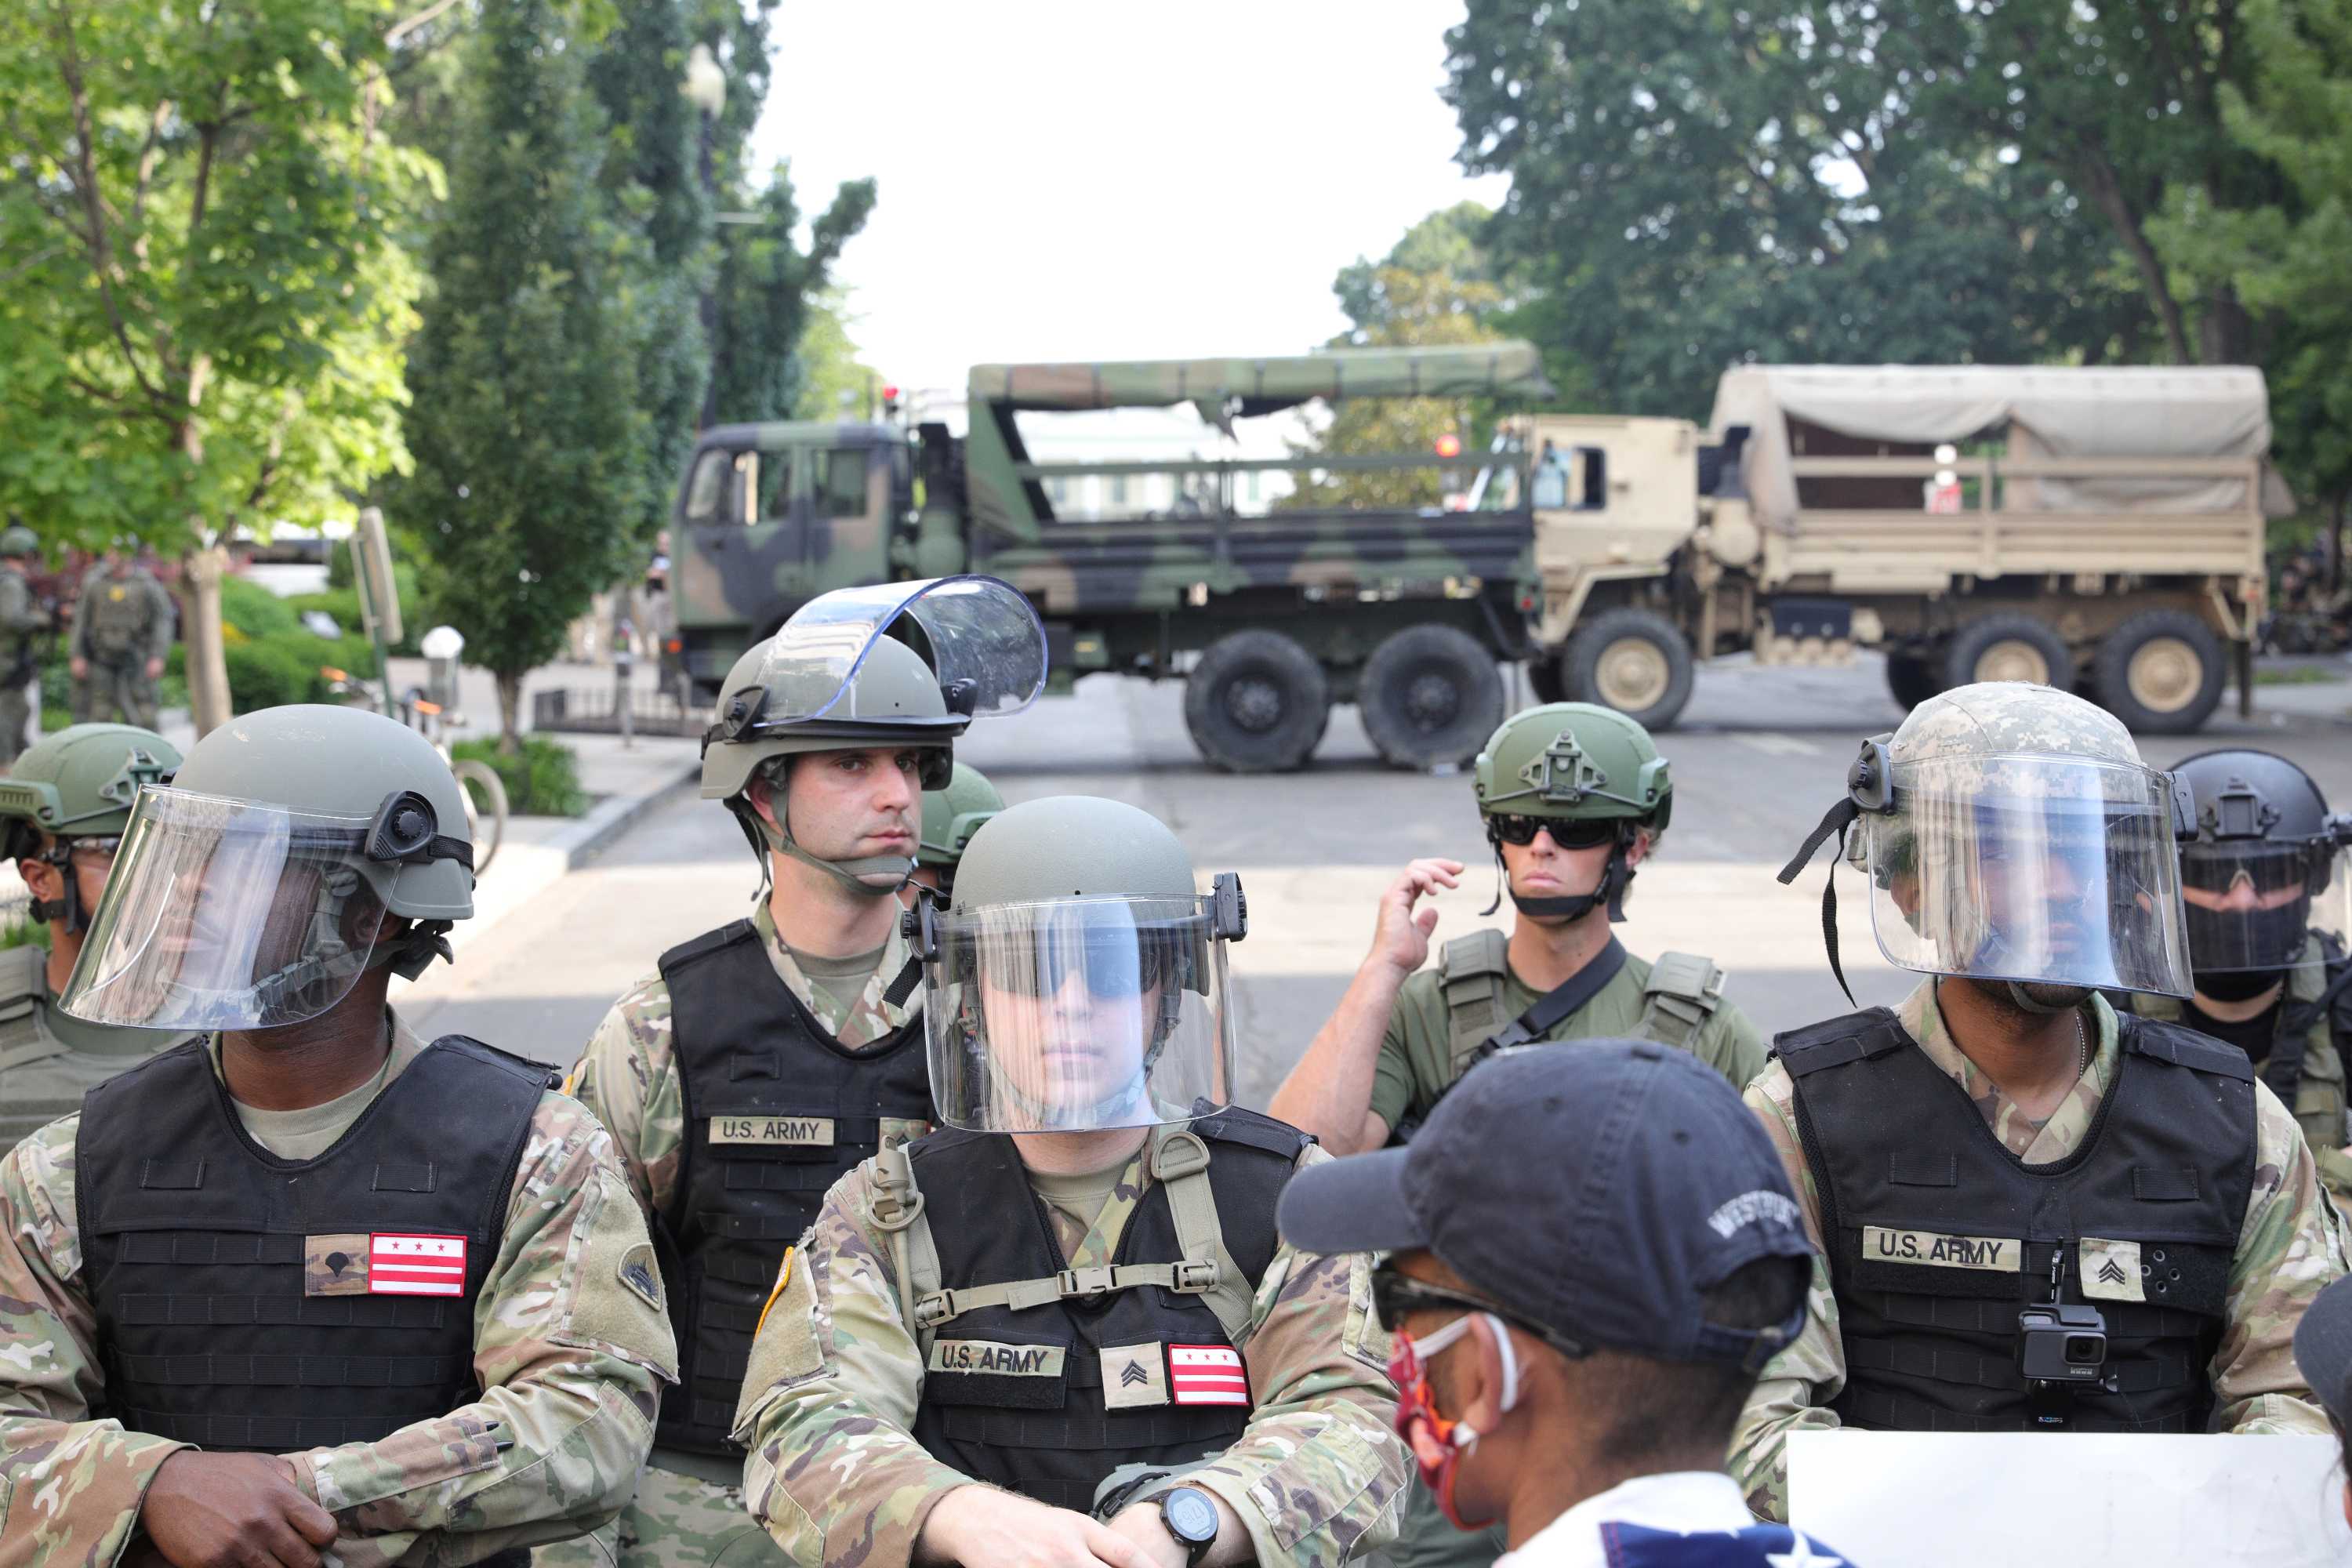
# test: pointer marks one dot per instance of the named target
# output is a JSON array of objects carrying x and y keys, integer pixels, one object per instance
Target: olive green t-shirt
[
  {"x": 1416, "y": 1061},
  {"x": 842, "y": 980}
]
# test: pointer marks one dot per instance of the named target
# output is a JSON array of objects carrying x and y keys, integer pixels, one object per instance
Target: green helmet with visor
[
  {"x": 1586, "y": 776},
  {"x": 76, "y": 789}
]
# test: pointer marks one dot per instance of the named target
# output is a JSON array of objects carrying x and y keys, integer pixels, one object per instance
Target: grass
[
  {"x": 542, "y": 779},
  {"x": 2298, "y": 675}
]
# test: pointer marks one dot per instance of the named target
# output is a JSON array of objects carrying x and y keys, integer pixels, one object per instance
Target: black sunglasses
[
  {"x": 1569, "y": 833},
  {"x": 1396, "y": 1294}
]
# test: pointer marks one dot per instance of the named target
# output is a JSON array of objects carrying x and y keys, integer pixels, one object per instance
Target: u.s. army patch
[
  {"x": 1134, "y": 1376},
  {"x": 2111, "y": 1271},
  {"x": 1995, "y": 1254},
  {"x": 802, "y": 1132},
  {"x": 992, "y": 1359},
  {"x": 335, "y": 1265}
]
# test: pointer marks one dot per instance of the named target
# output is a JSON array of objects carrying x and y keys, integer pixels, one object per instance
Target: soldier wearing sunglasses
[{"x": 2267, "y": 900}]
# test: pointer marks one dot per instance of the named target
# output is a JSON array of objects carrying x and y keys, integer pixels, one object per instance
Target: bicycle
[{"x": 484, "y": 791}]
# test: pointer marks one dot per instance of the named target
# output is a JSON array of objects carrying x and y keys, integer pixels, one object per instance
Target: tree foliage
[
  {"x": 765, "y": 285},
  {"x": 834, "y": 375},
  {"x": 525, "y": 425},
  {"x": 202, "y": 311}
]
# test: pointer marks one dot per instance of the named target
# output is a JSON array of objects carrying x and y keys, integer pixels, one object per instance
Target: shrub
[
  {"x": 18, "y": 929},
  {"x": 542, "y": 778}
]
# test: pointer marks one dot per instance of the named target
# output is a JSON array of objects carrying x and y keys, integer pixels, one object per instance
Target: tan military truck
[{"x": 2099, "y": 529}]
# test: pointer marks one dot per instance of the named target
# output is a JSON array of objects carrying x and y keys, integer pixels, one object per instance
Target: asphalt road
[{"x": 1758, "y": 757}]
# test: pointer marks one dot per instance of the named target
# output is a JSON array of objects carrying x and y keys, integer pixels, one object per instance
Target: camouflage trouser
[
  {"x": 676, "y": 1521},
  {"x": 112, "y": 686},
  {"x": 15, "y": 716}
]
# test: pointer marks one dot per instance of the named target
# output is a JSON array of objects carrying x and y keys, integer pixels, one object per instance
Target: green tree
[
  {"x": 202, "y": 314},
  {"x": 524, "y": 423},
  {"x": 834, "y": 375},
  {"x": 765, "y": 285}
]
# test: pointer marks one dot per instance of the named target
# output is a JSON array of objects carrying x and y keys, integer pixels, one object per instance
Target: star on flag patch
[
  {"x": 415, "y": 1265},
  {"x": 1207, "y": 1374}
]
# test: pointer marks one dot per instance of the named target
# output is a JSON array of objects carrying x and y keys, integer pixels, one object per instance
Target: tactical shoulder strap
[
  {"x": 1471, "y": 974},
  {"x": 1683, "y": 992},
  {"x": 899, "y": 1212},
  {"x": 1180, "y": 1162}
]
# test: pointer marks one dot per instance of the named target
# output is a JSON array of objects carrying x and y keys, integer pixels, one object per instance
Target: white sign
[{"x": 1947, "y": 1500}]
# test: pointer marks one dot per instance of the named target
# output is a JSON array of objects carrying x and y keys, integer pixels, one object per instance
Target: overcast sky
[{"x": 1072, "y": 179}]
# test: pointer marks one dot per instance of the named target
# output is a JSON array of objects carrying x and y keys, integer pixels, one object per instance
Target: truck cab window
[
  {"x": 706, "y": 490},
  {"x": 1549, "y": 490},
  {"x": 778, "y": 500},
  {"x": 841, "y": 482}
]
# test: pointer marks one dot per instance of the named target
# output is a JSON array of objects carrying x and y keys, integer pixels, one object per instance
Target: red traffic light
[{"x": 1449, "y": 445}]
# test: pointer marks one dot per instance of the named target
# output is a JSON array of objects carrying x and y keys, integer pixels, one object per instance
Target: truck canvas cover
[
  {"x": 1267, "y": 385},
  {"x": 2046, "y": 412}
]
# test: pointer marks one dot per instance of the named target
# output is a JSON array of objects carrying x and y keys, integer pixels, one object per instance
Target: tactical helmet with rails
[
  {"x": 1587, "y": 775},
  {"x": 74, "y": 787},
  {"x": 2262, "y": 877}
]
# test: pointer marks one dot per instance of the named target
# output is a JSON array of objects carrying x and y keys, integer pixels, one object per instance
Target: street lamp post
[{"x": 705, "y": 87}]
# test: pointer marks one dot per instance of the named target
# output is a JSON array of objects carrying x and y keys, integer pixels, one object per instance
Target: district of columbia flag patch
[
  {"x": 417, "y": 1265},
  {"x": 1207, "y": 1374}
]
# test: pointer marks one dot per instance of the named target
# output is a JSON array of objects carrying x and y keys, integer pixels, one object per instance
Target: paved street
[{"x": 1759, "y": 754}]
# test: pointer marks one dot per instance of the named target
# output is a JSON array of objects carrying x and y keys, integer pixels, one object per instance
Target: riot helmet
[
  {"x": 76, "y": 789},
  {"x": 2263, "y": 876},
  {"x": 1572, "y": 762},
  {"x": 1077, "y": 979},
  {"x": 833, "y": 678},
  {"x": 296, "y": 847},
  {"x": 952, "y": 814},
  {"x": 2011, "y": 834}
]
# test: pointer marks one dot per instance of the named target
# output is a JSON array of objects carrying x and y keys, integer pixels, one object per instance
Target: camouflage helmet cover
[{"x": 1574, "y": 760}]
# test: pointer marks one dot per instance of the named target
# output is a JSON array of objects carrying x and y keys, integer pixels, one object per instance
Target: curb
[{"x": 593, "y": 833}]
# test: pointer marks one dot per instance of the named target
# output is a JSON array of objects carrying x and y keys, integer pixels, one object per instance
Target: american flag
[
  {"x": 417, "y": 1265},
  {"x": 1207, "y": 1374}
]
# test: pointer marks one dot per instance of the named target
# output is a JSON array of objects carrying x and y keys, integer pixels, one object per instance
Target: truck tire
[
  {"x": 1632, "y": 660},
  {"x": 1911, "y": 679},
  {"x": 2008, "y": 645},
  {"x": 1430, "y": 694},
  {"x": 1256, "y": 704},
  {"x": 1545, "y": 679},
  {"x": 2160, "y": 672}
]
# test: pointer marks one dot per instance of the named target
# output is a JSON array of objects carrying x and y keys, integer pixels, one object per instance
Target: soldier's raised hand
[
  {"x": 1401, "y": 936},
  {"x": 233, "y": 1510}
]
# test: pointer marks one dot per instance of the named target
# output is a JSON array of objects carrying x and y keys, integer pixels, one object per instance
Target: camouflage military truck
[
  {"x": 1270, "y": 615},
  {"x": 2095, "y": 528}
]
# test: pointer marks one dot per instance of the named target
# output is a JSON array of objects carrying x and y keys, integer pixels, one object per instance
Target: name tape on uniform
[
  {"x": 1994, "y": 1254},
  {"x": 804, "y": 1131},
  {"x": 415, "y": 1265},
  {"x": 1207, "y": 1374},
  {"x": 992, "y": 1359}
]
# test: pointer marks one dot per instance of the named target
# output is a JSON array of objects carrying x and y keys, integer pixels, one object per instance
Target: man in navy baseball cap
[
  {"x": 2323, "y": 1348},
  {"x": 1592, "y": 1251}
]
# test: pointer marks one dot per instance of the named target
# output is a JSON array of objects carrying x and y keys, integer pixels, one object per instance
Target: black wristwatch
[{"x": 1190, "y": 1517}]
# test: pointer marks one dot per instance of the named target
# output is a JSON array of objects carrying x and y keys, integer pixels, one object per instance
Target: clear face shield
[
  {"x": 226, "y": 914},
  {"x": 980, "y": 635},
  {"x": 1079, "y": 1015},
  {"x": 2036, "y": 869}
]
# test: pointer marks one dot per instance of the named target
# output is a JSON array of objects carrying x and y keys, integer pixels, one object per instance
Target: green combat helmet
[
  {"x": 1572, "y": 762},
  {"x": 951, "y": 816},
  {"x": 296, "y": 847},
  {"x": 833, "y": 680},
  {"x": 2012, "y": 835},
  {"x": 16, "y": 542},
  {"x": 77, "y": 785}
]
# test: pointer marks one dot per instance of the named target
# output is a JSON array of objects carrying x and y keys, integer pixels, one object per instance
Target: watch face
[{"x": 1189, "y": 1515}]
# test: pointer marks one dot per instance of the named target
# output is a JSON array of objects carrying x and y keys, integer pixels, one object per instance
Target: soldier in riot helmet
[
  {"x": 1021, "y": 1339},
  {"x": 64, "y": 810},
  {"x": 24, "y": 628},
  {"x": 2036, "y": 1214},
  {"x": 952, "y": 814},
  {"x": 2267, "y": 899},
  {"x": 413, "y": 1312},
  {"x": 761, "y": 1061},
  {"x": 121, "y": 634}
]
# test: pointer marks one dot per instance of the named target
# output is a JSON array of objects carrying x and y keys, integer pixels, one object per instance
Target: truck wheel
[
  {"x": 1911, "y": 677},
  {"x": 1430, "y": 694},
  {"x": 2160, "y": 672},
  {"x": 1632, "y": 660},
  {"x": 1545, "y": 679},
  {"x": 2008, "y": 645},
  {"x": 1256, "y": 704}
]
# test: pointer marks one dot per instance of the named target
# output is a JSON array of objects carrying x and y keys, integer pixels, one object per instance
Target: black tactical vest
[
  {"x": 1938, "y": 1236},
  {"x": 776, "y": 1111},
  {"x": 223, "y": 1316},
  {"x": 1047, "y": 1401}
]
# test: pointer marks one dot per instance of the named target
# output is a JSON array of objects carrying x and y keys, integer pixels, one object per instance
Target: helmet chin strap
[
  {"x": 851, "y": 873},
  {"x": 1616, "y": 877}
]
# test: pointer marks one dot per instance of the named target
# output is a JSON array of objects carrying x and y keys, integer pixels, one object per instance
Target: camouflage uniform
[
  {"x": 22, "y": 621},
  {"x": 570, "y": 1353},
  {"x": 836, "y": 1379},
  {"x": 123, "y": 620},
  {"x": 2291, "y": 1246},
  {"x": 689, "y": 1506}
]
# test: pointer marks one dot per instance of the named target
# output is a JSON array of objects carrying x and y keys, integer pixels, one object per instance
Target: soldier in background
[
  {"x": 413, "y": 1310},
  {"x": 24, "y": 629},
  {"x": 1065, "y": 1330},
  {"x": 2011, "y": 1182},
  {"x": 950, "y": 816},
  {"x": 64, "y": 811},
  {"x": 121, "y": 637}
]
